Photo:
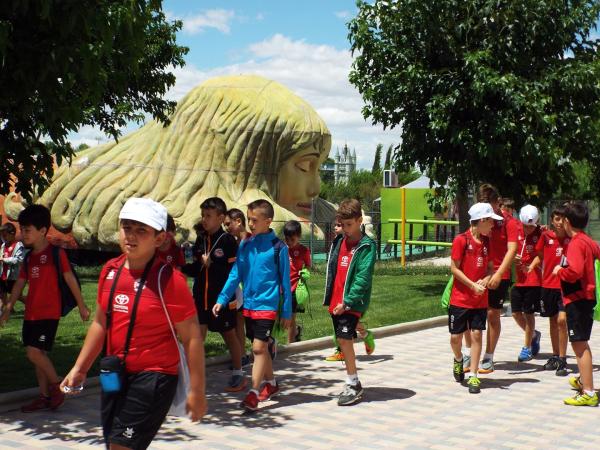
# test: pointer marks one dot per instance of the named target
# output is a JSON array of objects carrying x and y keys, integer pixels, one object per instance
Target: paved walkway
[{"x": 411, "y": 401}]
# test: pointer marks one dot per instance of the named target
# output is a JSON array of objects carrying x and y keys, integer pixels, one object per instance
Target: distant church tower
[{"x": 345, "y": 164}]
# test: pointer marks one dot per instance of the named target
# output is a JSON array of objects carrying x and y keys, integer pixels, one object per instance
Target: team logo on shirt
[
  {"x": 551, "y": 241},
  {"x": 345, "y": 261},
  {"x": 219, "y": 253},
  {"x": 559, "y": 251},
  {"x": 169, "y": 259},
  {"x": 470, "y": 247},
  {"x": 43, "y": 259},
  {"x": 296, "y": 252},
  {"x": 485, "y": 251},
  {"x": 480, "y": 261},
  {"x": 535, "y": 239},
  {"x": 35, "y": 272},
  {"x": 120, "y": 303},
  {"x": 128, "y": 433},
  {"x": 529, "y": 248},
  {"x": 110, "y": 275},
  {"x": 136, "y": 285}
]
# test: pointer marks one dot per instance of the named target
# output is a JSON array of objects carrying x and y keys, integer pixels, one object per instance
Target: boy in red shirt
[
  {"x": 12, "y": 253},
  {"x": 472, "y": 267},
  {"x": 525, "y": 295},
  {"x": 169, "y": 251},
  {"x": 578, "y": 286},
  {"x": 299, "y": 259},
  {"x": 130, "y": 302},
  {"x": 348, "y": 289},
  {"x": 503, "y": 244},
  {"x": 43, "y": 303},
  {"x": 550, "y": 249}
]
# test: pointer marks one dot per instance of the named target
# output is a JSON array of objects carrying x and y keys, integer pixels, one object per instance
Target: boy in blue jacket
[{"x": 263, "y": 267}]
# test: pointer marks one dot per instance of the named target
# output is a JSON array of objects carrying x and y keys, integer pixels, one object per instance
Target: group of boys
[{"x": 554, "y": 275}]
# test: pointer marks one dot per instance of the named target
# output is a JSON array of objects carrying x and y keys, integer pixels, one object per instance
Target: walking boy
[
  {"x": 12, "y": 253},
  {"x": 472, "y": 267},
  {"x": 215, "y": 253},
  {"x": 263, "y": 267},
  {"x": 525, "y": 295},
  {"x": 139, "y": 297},
  {"x": 348, "y": 289},
  {"x": 503, "y": 245},
  {"x": 578, "y": 287},
  {"x": 299, "y": 259},
  {"x": 42, "y": 304},
  {"x": 550, "y": 250}
]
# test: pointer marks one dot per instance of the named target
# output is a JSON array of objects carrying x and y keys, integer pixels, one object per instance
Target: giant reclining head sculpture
[{"x": 237, "y": 137}]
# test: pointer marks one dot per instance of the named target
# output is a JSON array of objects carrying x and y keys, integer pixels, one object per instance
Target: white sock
[
  {"x": 254, "y": 390},
  {"x": 590, "y": 393},
  {"x": 352, "y": 380},
  {"x": 466, "y": 351},
  {"x": 271, "y": 382},
  {"x": 235, "y": 372},
  {"x": 488, "y": 356}
]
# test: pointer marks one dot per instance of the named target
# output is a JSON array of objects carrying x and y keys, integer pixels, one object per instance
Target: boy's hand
[
  {"x": 195, "y": 405},
  {"x": 556, "y": 270},
  {"x": 4, "y": 316},
  {"x": 530, "y": 268},
  {"x": 73, "y": 382},
  {"x": 285, "y": 323},
  {"x": 339, "y": 309},
  {"x": 84, "y": 313},
  {"x": 477, "y": 288},
  {"x": 216, "y": 309},
  {"x": 494, "y": 281}
]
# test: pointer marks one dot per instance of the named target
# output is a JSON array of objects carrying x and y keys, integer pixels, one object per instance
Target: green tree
[
  {"x": 388, "y": 158},
  {"x": 66, "y": 64},
  {"x": 377, "y": 160},
  {"x": 504, "y": 91}
]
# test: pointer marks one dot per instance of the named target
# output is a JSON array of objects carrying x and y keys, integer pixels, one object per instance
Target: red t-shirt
[
  {"x": 503, "y": 232},
  {"x": 526, "y": 249},
  {"x": 552, "y": 249},
  {"x": 474, "y": 258},
  {"x": 578, "y": 274},
  {"x": 173, "y": 255},
  {"x": 152, "y": 347},
  {"x": 299, "y": 258},
  {"x": 343, "y": 263},
  {"x": 8, "y": 249},
  {"x": 43, "y": 300}
]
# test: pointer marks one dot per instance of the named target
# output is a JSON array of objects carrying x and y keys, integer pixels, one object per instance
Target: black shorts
[
  {"x": 551, "y": 302},
  {"x": 463, "y": 319},
  {"x": 580, "y": 319},
  {"x": 344, "y": 326},
  {"x": 225, "y": 321},
  {"x": 39, "y": 333},
  {"x": 132, "y": 417},
  {"x": 524, "y": 299},
  {"x": 6, "y": 286},
  {"x": 497, "y": 297},
  {"x": 260, "y": 329}
]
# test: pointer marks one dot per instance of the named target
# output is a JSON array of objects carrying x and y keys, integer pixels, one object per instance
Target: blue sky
[{"x": 301, "y": 44}]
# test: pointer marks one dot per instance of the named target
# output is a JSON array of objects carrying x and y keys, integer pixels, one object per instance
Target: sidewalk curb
[{"x": 9, "y": 400}]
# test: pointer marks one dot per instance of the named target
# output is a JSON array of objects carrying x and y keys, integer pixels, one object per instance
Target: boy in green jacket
[{"x": 348, "y": 289}]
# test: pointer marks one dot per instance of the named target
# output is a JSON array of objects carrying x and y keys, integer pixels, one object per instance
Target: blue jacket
[{"x": 261, "y": 279}]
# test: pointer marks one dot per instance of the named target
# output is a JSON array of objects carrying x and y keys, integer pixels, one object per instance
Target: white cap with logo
[
  {"x": 529, "y": 215},
  {"x": 146, "y": 211},
  {"x": 482, "y": 211}
]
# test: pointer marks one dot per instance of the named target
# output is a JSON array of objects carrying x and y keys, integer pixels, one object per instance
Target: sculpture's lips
[{"x": 304, "y": 206}]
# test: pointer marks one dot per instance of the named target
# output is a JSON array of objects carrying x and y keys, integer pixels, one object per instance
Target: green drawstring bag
[
  {"x": 302, "y": 292},
  {"x": 445, "y": 301},
  {"x": 597, "y": 279}
]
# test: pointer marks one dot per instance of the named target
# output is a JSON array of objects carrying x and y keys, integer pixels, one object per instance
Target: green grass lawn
[{"x": 396, "y": 299}]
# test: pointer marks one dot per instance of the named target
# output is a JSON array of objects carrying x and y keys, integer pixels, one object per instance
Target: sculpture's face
[{"x": 300, "y": 182}]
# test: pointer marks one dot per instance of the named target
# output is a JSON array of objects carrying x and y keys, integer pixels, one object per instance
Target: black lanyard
[{"x": 135, "y": 305}]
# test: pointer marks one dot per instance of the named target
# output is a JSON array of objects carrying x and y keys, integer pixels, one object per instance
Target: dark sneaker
[
  {"x": 272, "y": 347},
  {"x": 298, "y": 333},
  {"x": 525, "y": 355},
  {"x": 552, "y": 363},
  {"x": 246, "y": 361},
  {"x": 561, "y": 369},
  {"x": 250, "y": 402},
  {"x": 535, "y": 342},
  {"x": 474, "y": 385},
  {"x": 458, "y": 370},
  {"x": 57, "y": 397},
  {"x": 236, "y": 383},
  {"x": 350, "y": 395},
  {"x": 268, "y": 391},
  {"x": 39, "y": 404}
]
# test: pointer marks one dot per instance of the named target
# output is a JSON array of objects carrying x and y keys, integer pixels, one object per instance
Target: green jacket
[{"x": 357, "y": 288}]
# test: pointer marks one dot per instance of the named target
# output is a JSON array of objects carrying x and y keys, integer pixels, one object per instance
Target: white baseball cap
[
  {"x": 529, "y": 215},
  {"x": 482, "y": 211},
  {"x": 146, "y": 211}
]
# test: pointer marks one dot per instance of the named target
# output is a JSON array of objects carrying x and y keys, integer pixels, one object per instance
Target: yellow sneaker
[
  {"x": 582, "y": 399},
  {"x": 575, "y": 383},
  {"x": 337, "y": 356}
]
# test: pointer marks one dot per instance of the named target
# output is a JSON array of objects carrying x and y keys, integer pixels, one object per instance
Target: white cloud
[
  {"x": 219, "y": 19},
  {"x": 344, "y": 15},
  {"x": 318, "y": 74}
]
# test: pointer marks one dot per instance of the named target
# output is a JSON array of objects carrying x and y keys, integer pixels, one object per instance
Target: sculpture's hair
[{"x": 228, "y": 138}]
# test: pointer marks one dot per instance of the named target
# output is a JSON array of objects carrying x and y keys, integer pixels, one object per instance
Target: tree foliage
[
  {"x": 65, "y": 64},
  {"x": 377, "y": 159},
  {"x": 388, "y": 158},
  {"x": 504, "y": 91}
]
